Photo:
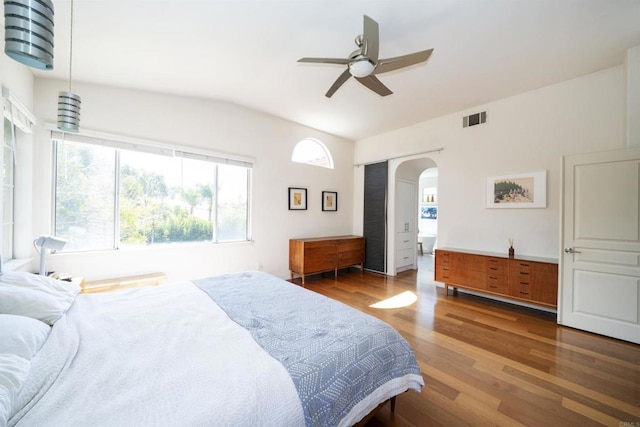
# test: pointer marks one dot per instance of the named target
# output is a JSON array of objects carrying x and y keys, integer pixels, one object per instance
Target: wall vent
[{"x": 474, "y": 119}]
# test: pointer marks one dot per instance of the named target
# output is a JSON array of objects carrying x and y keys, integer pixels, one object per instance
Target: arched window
[{"x": 312, "y": 152}]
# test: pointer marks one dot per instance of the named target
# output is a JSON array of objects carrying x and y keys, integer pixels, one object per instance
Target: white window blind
[
  {"x": 15, "y": 111},
  {"x": 145, "y": 146}
]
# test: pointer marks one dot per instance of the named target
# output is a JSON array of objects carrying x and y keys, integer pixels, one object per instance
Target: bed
[{"x": 245, "y": 349}]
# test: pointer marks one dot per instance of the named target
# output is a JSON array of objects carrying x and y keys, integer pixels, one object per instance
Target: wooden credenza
[
  {"x": 321, "y": 254},
  {"x": 530, "y": 279}
]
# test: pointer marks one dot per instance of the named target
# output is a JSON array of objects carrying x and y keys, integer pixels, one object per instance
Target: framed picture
[
  {"x": 297, "y": 199},
  {"x": 329, "y": 201},
  {"x": 526, "y": 190},
  {"x": 429, "y": 212}
]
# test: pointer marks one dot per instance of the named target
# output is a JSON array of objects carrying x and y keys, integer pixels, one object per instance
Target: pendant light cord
[{"x": 71, "y": 47}]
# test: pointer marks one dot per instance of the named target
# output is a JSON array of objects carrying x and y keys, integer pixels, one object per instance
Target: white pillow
[
  {"x": 31, "y": 303},
  {"x": 22, "y": 336},
  {"x": 13, "y": 372},
  {"x": 44, "y": 283},
  {"x": 35, "y": 296}
]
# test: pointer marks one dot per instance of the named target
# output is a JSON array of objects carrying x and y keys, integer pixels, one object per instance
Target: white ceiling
[{"x": 245, "y": 52}]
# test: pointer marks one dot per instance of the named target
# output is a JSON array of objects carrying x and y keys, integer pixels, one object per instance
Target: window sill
[{"x": 16, "y": 264}]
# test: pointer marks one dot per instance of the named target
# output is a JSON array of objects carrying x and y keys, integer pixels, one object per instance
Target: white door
[
  {"x": 600, "y": 264},
  {"x": 406, "y": 219}
]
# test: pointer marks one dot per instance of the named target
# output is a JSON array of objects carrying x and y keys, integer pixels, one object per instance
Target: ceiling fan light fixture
[
  {"x": 28, "y": 32},
  {"x": 361, "y": 68}
]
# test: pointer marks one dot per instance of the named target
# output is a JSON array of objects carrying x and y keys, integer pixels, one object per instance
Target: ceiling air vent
[{"x": 474, "y": 119}]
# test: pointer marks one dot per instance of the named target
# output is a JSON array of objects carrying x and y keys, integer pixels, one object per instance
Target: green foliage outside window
[{"x": 150, "y": 210}]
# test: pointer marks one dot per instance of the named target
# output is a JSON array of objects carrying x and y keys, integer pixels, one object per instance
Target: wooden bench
[{"x": 112, "y": 284}]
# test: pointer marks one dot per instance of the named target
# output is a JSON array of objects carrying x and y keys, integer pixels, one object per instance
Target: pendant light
[
  {"x": 68, "y": 102},
  {"x": 28, "y": 32}
]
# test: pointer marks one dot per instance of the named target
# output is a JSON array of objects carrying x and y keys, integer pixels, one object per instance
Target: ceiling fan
[{"x": 364, "y": 65}]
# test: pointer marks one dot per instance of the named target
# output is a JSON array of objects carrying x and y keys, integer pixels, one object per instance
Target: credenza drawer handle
[{"x": 524, "y": 283}]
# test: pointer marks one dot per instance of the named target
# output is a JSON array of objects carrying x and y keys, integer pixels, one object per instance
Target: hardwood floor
[{"x": 490, "y": 363}]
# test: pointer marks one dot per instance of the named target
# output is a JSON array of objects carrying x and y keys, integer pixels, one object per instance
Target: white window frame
[
  {"x": 8, "y": 193},
  {"x": 21, "y": 120},
  {"x": 141, "y": 145},
  {"x": 297, "y": 157}
]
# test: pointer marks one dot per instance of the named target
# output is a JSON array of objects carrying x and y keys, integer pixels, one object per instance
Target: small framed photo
[
  {"x": 297, "y": 199},
  {"x": 329, "y": 201},
  {"x": 526, "y": 190}
]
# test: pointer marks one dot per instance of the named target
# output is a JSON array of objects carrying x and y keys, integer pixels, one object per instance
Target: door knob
[{"x": 571, "y": 251}]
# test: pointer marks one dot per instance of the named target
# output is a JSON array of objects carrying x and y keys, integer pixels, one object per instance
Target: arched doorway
[
  {"x": 404, "y": 212},
  {"x": 427, "y": 217}
]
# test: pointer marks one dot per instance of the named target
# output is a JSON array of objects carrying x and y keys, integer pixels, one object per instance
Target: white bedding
[{"x": 76, "y": 381}]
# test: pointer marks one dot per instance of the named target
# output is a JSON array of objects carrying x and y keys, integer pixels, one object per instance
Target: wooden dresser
[
  {"x": 530, "y": 279},
  {"x": 320, "y": 254}
]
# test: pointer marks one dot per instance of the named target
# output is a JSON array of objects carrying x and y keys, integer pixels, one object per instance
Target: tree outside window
[{"x": 158, "y": 199}]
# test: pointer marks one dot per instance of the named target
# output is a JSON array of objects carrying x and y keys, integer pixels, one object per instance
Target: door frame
[
  {"x": 422, "y": 162},
  {"x": 566, "y": 269}
]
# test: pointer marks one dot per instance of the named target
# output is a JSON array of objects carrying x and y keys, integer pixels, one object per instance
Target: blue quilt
[{"x": 336, "y": 355}]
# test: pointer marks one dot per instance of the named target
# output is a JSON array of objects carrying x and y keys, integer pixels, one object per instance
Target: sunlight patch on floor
[{"x": 401, "y": 300}]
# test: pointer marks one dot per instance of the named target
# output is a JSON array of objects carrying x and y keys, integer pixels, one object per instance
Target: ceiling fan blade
[
  {"x": 390, "y": 64},
  {"x": 342, "y": 61},
  {"x": 339, "y": 82},
  {"x": 375, "y": 85},
  {"x": 371, "y": 39}
]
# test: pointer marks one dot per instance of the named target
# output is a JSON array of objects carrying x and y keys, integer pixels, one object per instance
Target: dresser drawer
[
  {"x": 443, "y": 274},
  {"x": 405, "y": 241},
  {"x": 350, "y": 252},
  {"x": 520, "y": 291},
  {"x": 519, "y": 266},
  {"x": 498, "y": 266},
  {"x": 405, "y": 257}
]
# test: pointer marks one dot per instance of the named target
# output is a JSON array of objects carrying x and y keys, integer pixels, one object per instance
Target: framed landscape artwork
[
  {"x": 329, "y": 201},
  {"x": 297, "y": 199},
  {"x": 527, "y": 190}
]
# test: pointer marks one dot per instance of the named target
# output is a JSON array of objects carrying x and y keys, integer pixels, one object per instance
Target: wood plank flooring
[{"x": 490, "y": 363}]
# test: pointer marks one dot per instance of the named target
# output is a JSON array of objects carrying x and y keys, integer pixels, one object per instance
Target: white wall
[
  {"x": 220, "y": 127},
  {"x": 632, "y": 81},
  {"x": 525, "y": 133}
]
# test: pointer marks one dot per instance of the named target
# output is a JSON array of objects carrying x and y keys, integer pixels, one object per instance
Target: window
[
  {"x": 110, "y": 197},
  {"x": 312, "y": 152},
  {"x": 8, "y": 157}
]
